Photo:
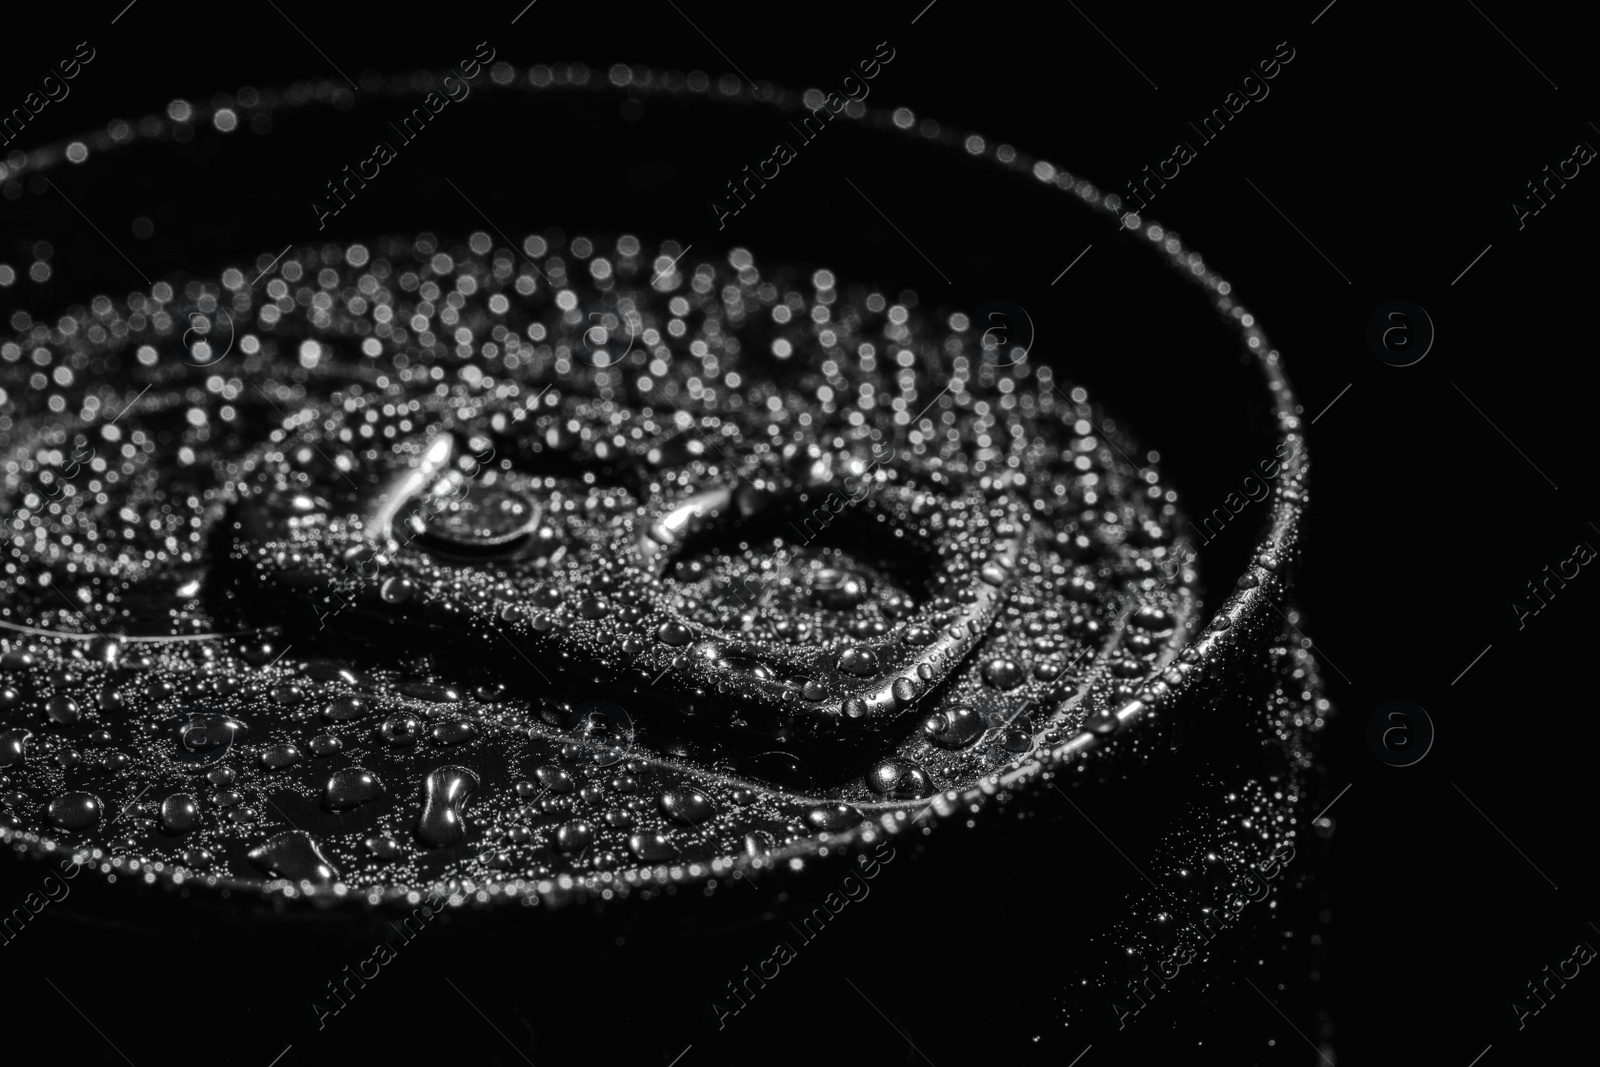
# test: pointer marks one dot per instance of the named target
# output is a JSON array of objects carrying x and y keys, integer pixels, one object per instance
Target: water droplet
[
  {"x": 839, "y": 589},
  {"x": 397, "y": 590},
  {"x": 574, "y": 837},
  {"x": 180, "y": 813},
  {"x": 556, "y": 779},
  {"x": 899, "y": 779},
  {"x": 674, "y": 633},
  {"x": 258, "y": 653},
  {"x": 1003, "y": 673},
  {"x": 687, "y": 807},
  {"x": 383, "y": 847},
  {"x": 833, "y": 817},
  {"x": 435, "y": 692},
  {"x": 858, "y": 661},
  {"x": 954, "y": 727},
  {"x": 444, "y": 795},
  {"x": 204, "y": 739},
  {"x": 279, "y": 757},
  {"x": 63, "y": 710},
  {"x": 350, "y": 787},
  {"x": 1102, "y": 721},
  {"x": 74, "y": 811},
  {"x": 297, "y": 856},
  {"x": 455, "y": 732},
  {"x": 602, "y": 731},
  {"x": 904, "y": 691},
  {"x": 1152, "y": 618},
  {"x": 651, "y": 848},
  {"x": 401, "y": 731},
  {"x": 13, "y": 746},
  {"x": 345, "y": 708}
]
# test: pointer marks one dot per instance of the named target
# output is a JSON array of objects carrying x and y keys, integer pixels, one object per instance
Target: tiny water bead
[{"x": 463, "y": 605}]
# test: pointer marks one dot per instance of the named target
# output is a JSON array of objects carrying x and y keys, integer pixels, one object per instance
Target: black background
[{"x": 1396, "y": 141}]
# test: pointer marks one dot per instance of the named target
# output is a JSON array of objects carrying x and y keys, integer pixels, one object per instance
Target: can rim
[{"x": 1261, "y": 592}]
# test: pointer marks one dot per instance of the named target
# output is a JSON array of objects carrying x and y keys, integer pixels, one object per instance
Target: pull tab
[{"x": 585, "y": 590}]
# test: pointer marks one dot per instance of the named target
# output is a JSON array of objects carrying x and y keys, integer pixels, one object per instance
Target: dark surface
[{"x": 1396, "y": 143}]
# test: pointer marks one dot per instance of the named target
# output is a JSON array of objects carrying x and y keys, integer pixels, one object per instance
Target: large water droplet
[
  {"x": 345, "y": 708},
  {"x": 688, "y": 807},
  {"x": 651, "y": 848},
  {"x": 350, "y": 787},
  {"x": 899, "y": 779},
  {"x": 279, "y": 757},
  {"x": 574, "y": 837},
  {"x": 401, "y": 731},
  {"x": 954, "y": 727},
  {"x": 444, "y": 795},
  {"x": 383, "y": 847},
  {"x": 180, "y": 813},
  {"x": 297, "y": 856},
  {"x": 833, "y": 817},
  {"x": 839, "y": 589},
  {"x": 74, "y": 811},
  {"x": 556, "y": 779},
  {"x": 858, "y": 661},
  {"x": 205, "y": 739},
  {"x": 13, "y": 746},
  {"x": 674, "y": 633},
  {"x": 1003, "y": 673},
  {"x": 455, "y": 732},
  {"x": 63, "y": 710}
]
